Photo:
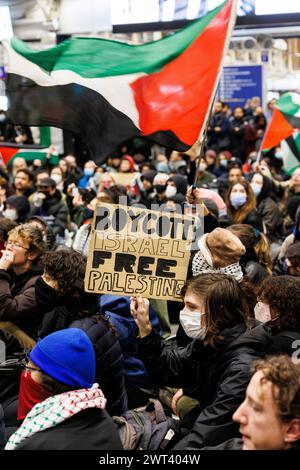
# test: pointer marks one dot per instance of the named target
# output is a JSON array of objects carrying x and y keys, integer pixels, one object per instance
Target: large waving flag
[
  {"x": 285, "y": 119},
  {"x": 108, "y": 91}
]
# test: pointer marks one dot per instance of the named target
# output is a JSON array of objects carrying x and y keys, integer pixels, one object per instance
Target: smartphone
[{"x": 75, "y": 192}]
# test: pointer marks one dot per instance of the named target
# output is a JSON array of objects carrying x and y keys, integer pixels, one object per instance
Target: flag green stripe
[
  {"x": 93, "y": 58},
  {"x": 289, "y": 103},
  {"x": 30, "y": 155}
]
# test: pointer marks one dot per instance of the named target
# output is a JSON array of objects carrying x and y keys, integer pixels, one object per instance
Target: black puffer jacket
[
  {"x": 84, "y": 315},
  {"x": 55, "y": 212},
  {"x": 220, "y": 378}
]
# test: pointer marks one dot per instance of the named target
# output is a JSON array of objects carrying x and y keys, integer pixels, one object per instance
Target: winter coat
[
  {"x": 231, "y": 444},
  {"x": 218, "y": 140},
  {"x": 117, "y": 311},
  {"x": 55, "y": 212},
  {"x": 18, "y": 301},
  {"x": 253, "y": 218},
  {"x": 283, "y": 343},
  {"x": 251, "y": 267},
  {"x": 219, "y": 378},
  {"x": 269, "y": 211},
  {"x": 271, "y": 217},
  {"x": 238, "y": 139},
  {"x": 91, "y": 429},
  {"x": 83, "y": 314}
]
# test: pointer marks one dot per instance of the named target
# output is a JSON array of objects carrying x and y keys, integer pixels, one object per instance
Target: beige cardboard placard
[
  {"x": 138, "y": 251},
  {"x": 125, "y": 179}
]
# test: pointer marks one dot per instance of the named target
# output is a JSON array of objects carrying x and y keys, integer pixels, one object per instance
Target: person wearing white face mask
[
  {"x": 203, "y": 176},
  {"x": 17, "y": 209},
  {"x": 279, "y": 305},
  {"x": 215, "y": 366},
  {"x": 177, "y": 184},
  {"x": 57, "y": 176},
  {"x": 241, "y": 205}
]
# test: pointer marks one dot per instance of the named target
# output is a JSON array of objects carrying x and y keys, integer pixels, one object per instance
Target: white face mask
[
  {"x": 262, "y": 312},
  {"x": 202, "y": 167},
  {"x": 191, "y": 323},
  {"x": 10, "y": 214},
  {"x": 57, "y": 178},
  {"x": 170, "y": 191}
]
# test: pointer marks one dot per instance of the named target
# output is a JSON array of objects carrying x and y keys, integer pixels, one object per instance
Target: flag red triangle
[{"x": 277, "y": 130}]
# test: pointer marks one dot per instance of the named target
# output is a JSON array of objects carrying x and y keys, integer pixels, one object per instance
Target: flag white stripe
[{"x": 116, "y": 90}]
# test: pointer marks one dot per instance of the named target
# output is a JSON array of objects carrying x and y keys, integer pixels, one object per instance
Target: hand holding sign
[{"x": 139, "y": 309}]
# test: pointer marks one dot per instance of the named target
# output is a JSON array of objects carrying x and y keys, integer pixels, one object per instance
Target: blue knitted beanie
[{"x": 67, "y": 356}]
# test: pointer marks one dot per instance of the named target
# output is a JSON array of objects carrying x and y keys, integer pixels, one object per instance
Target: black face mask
[{"x": 160, "y": 188}]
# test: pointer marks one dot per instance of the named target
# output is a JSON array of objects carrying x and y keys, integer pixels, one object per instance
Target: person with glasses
[
  {"x": 60, "y": 406},
  {"x": 19, "y": 270}
]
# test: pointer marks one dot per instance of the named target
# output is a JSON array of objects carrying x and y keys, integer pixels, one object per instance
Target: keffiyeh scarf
[
  {"x": 201, "y": 266},
  {"x": 49, "y": 413}
]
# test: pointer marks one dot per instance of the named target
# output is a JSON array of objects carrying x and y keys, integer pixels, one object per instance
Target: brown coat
[{"x": 17, "y": 300}]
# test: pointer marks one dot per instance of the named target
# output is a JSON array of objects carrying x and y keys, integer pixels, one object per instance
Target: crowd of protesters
[{"x": 230, "y": 374}]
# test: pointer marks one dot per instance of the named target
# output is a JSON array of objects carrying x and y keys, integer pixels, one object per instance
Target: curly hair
[
  {"x": 67, "y": 268},
  {"x": 31, "y": 235},
  {"x": 284, "y": 375},
  {"x": 282, "y": 294},
  {"x": 240, "y": 214},
  {"x": 225, "y": 303}
]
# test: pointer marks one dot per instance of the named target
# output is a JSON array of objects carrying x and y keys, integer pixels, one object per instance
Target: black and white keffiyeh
[{"x": 201, "y": 266}]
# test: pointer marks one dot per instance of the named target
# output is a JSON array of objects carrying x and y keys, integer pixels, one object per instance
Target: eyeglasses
[
  {"x": 27, "y": 367},
  {"x": 31, "y": 368},
  {"x": 15, "y": 245}
]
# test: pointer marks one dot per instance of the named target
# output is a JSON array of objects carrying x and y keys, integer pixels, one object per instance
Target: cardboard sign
[
  {"x": 124, "y": 179},
  {"x": 138, "y": 251}
]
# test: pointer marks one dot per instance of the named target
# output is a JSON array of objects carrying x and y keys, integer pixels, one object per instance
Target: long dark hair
[
  {"x": 240, "y": 214},
  {"x": 225, "y": 304}
]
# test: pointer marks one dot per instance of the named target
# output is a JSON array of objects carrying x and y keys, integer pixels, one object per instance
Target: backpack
[{"x": 146, "y": 428}]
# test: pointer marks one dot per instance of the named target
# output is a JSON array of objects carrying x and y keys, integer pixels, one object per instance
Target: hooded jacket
[
  {"x": 218, "y": 377},
  {"x": 117, "y": 311},
  {"x": 180, "y": 183}
]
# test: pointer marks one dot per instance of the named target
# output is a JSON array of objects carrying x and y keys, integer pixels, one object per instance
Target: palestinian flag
[
  {"x": 109, "y": 92},
  {"x": 291, "y": 152},
  {"x": 8, "y": 152},
  {"x": 285, "y": 118}
]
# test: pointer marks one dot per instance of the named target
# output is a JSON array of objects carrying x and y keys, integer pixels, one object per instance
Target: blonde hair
[{"x": 262, "y": 251}]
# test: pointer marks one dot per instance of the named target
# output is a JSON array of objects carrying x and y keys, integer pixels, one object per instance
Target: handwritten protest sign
[{"x": 138, "y": 251}]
